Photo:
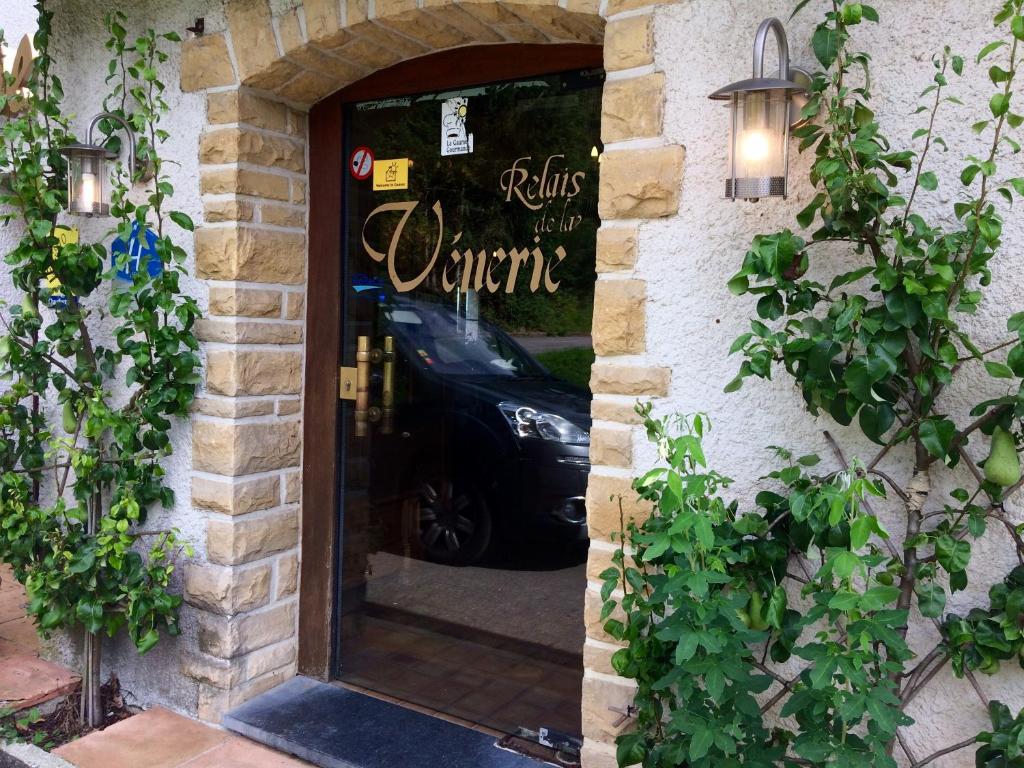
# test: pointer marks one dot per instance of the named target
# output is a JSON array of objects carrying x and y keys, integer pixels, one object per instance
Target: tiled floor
[
  {"x": 161, "y": 739},
  {"x": 25, "y": 679},
  {"x": 497, "y": 687}
]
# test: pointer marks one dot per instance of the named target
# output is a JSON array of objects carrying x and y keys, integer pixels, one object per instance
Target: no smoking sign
[{"x": 360, "y": 165}]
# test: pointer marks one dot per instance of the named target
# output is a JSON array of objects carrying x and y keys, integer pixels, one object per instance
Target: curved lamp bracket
[{"x": 798, "y": 75}]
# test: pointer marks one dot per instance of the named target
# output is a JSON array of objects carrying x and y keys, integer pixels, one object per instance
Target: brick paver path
[
  {"x": 161, "y": 739},
  {"x": 25, "y": 679}
]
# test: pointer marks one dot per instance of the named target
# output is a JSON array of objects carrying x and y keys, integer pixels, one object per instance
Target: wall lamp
[
  {"x": 763, "y": 110},
  {"x": 88, "y": 176}
]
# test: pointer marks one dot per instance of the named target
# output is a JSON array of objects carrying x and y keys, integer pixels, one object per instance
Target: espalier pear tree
[
  {"x": 91, "y": 378},
  {"x": 773, "y": 631}
]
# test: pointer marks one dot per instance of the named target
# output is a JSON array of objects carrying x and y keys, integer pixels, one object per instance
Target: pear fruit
[
  {"x": 70, "y": 418},
  {"x": 1002, "y": 466},
  {"x": 29, "y": 308}
]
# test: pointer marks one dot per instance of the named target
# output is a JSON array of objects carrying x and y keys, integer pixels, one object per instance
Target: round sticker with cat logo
[{"x": 361, "y": 163}]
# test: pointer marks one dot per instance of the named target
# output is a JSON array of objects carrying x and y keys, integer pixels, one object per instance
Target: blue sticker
[{"x": 140, "y": 250}]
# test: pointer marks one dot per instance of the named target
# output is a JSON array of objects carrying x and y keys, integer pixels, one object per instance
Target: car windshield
[{"x": 452, "y": 345}]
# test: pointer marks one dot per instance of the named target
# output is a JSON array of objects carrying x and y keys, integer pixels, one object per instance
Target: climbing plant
[
  {"x": 95, "y": 367},
  {"x": 774, "y": 633}
]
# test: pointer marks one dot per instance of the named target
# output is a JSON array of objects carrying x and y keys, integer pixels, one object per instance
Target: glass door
[{"x": 470, "y": 220}]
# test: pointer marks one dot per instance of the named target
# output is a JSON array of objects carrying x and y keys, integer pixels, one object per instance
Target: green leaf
[
  {"x": 631, "y": 749},
  {"x": 776, "y": 608},
  {"x": 825, "y": 43},
  {"x": 989, "y": 49},
  {"x": 182, "y": 220},
  {"x": 998, "y": 370},
  {"x": 952, "y": 554},
  {"x": 936, "y": 434},
  {"x": 844, "y": 563},
  {"x": 929, "y": 181},
  {"x": 875, "y": 420},
  {"x": 999, "y": 104},
  {"x": 1017, "y": 27},
  {"x": 931, "y": 599},
  {"x": 705, "y": 533},
  {"x": 701, "y": 743},
  {"x": 879, "y": 597},
  {"x": 844, "y": 601}
]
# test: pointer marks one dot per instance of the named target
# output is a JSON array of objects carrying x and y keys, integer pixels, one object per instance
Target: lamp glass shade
[
  {"x": 759, "y": 144},
  {"x": 88, "y": 182}
]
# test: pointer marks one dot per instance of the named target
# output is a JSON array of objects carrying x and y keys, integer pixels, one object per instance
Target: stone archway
[{"x": 260, "y": 75}]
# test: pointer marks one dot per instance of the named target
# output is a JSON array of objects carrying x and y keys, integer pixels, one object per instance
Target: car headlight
[{"x": 529, "y": 422}]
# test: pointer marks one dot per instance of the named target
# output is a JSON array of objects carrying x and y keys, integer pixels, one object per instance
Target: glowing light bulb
[
  {"x": 88, "y": 191},
  {"x": 754, "y": 146}
]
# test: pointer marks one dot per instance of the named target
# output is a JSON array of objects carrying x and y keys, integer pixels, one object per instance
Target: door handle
[
  {"x": 388, "y": 395},
  {"x": 362, "y": 409},
  {"x": 364, "y": 413}
]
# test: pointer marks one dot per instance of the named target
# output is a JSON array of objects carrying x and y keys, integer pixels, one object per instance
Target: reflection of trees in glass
[{"x": 553, "y": 115}]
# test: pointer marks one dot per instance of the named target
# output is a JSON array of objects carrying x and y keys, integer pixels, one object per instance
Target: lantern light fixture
[
  {"x": 763, "y": 111},
  {"x": 88, "y": 175}
]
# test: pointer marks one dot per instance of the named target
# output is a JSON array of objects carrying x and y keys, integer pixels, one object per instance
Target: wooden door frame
[{"x": 455, "y": 68}]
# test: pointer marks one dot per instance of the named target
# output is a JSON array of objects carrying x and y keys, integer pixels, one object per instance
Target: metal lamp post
[{"x": 763, "y": 111}]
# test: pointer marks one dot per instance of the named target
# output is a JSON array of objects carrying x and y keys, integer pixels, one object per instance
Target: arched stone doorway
[{"x": 261, "y": 75}]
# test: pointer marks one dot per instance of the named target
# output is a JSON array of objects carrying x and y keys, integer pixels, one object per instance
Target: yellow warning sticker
[{"x": 391, "y": 174}]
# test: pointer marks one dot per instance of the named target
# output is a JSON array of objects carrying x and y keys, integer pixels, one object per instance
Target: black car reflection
[{"x": 485, "y": 445}]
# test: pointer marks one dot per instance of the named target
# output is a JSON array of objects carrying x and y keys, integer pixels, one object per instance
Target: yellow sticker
[
  {"x": 65, "y": 236},
  {"x": 391, "y": 174}
]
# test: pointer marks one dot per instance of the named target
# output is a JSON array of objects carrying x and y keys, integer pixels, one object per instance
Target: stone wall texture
[{"x": 664, "y": 320}]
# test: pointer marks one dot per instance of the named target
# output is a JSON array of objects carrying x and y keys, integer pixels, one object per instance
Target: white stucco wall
[
  {"x": 692, "y": 318},
  {"x": 685, "y": 259},
  {"x": 17, "y": 18},
  {"x": 81, "y": 60}
]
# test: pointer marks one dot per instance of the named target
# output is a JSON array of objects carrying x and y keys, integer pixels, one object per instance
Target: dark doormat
[
  {"x": 334, "y": 727},
  {"x": 7, "y": 761}
]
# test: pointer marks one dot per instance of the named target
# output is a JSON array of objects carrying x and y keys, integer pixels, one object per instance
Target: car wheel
[{"x": 455, "y": 523}]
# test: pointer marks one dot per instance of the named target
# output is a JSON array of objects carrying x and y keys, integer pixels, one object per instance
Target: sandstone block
[
  {"x": 227, "y": 591},
  {"x": 600, "y": 697},
  {"x": 557, "y": 23},
  {"x": 289, "y": 407},
  {"x": 287, "y": 576},
  {"x": 209, "y": 670},
  {"x": 235, "y": 372},
  {"x": 283, "y": 216},
  {"x": 620, "y": 317},
  {"x": 643, "y": 381},
  {"x": 236, "y": 497},
  {"x": 616, "y": 248},
  {"x": 604, "y": 515},
  {"x": 598, "y": 658},
  {"x": 611, "y": 446},
  {"x": 205, "y": 63},
  {"x": 292, "y": 487},
  {"x": 243, "y": 253},
  {"x": 243, "y": 106},
  {"x": 228, "y": 300},
  {"x": 427, "y": 30},
  {"x": 227, "y": 638},
  {"x": 641, "y": 183},
  {"x": 233, "y": 331},
  {"x": 230, "y": 408},
  {"x": 252, "y": 36},
  {"x": 244, "y": 181},
  {"x": 599, "y": 560},
  {"x": 628, "y": 43},
  {"x": 613, "y": 409},
  {"x": 245, "y": 145},
  {"x": 227, "y": 210},
  {"x": 231, "y": 449},
  {"x": 592, "y": 616},
  {"x": 295, "y": 306},
  {"x": 633, "y": 108},
  {"x": 270, "y": 659},
  {"x": 232, "y": 541}
]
